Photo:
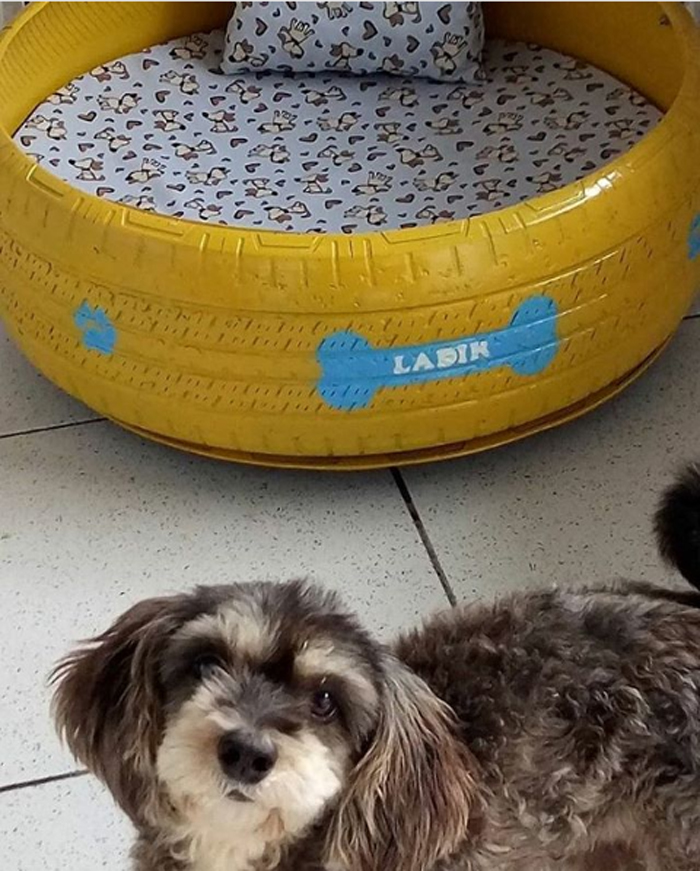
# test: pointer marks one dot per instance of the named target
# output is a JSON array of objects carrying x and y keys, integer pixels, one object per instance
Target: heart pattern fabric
[{"x": 162, "y": 130}]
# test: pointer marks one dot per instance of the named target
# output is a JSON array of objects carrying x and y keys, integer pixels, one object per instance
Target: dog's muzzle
[{"x": 246, "y": 758}]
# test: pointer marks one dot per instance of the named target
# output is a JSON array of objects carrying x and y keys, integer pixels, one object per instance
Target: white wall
[{"x": 8, "y": 12}]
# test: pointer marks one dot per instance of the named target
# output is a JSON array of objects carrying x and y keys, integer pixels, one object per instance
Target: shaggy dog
[{"x": 255, "y": 727}]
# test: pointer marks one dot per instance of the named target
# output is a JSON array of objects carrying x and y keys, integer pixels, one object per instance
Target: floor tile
[
  {"x": 27, "y": 399},
  {"x": 92, "y": 519},
  {"x": 572, "y": 505},
  {"x": 69, "y": 825},
  {"x": 695, "y": 307}
]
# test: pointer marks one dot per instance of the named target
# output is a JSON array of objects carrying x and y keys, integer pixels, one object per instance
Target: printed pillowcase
[{"x": 441, "y": 41}]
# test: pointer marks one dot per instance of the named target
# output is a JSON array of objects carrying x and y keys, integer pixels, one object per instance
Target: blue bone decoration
[{"x": 353, "y": 371}]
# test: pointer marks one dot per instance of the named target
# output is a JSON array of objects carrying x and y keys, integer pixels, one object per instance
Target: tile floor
[{"x": 92, "y": 519}]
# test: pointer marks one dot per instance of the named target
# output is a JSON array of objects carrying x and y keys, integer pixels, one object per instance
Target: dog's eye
[
  {"x": 205, "y": 663},
  {"x": 323, "y": 705}
]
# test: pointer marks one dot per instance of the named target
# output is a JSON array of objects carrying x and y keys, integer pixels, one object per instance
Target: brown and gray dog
[{"x": 257, "y": 726}]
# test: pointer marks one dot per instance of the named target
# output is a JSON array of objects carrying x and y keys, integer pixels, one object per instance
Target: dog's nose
[{"x": 246, "y": 758}]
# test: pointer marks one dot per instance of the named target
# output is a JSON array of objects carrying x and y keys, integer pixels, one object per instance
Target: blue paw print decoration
[
  {"x": 98, "y": 331},
  {"x": 694, "y": 238},
  {"x": 353, "y": 371}
]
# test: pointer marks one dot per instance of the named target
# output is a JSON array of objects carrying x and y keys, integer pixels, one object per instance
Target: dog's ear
[
  {"x": 409, "y": 799},
  {"x": 107, "y": 706}
]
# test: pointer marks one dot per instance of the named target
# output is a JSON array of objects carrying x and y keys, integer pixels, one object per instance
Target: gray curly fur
[
  {"x": 582, "y": 710},
  {"x": 553, "y": 730}
]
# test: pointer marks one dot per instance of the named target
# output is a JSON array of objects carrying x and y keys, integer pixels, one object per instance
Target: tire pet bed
[{"x": 328, "y": 271}]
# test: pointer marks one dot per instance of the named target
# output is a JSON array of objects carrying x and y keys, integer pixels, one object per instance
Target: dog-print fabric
[
  {"x": 441, "y": 41},
  {"x": 164, "y": 131}
]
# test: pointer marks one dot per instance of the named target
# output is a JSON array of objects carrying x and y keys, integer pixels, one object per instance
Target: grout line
[
  {"x": 692, "y": 317},
  {"x": 39, "y": 781},
  {"x": 424, "y": 537},
  {"x": 51, "y": 428}
]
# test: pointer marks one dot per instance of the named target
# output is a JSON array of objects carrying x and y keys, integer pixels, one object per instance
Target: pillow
[{"x": 441, "y": 41}]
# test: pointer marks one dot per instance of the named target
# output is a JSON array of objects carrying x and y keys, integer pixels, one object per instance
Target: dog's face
[
  {"x": 237, "y": 717},
  {"x": 268, "y": 700}
]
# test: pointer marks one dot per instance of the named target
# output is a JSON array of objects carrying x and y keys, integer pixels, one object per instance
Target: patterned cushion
[
  {"x": 441, "y": 41},
  {"x": 162, "y": 130}
]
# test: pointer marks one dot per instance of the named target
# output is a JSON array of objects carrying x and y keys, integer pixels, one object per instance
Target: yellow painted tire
[{"x": 213, "y": 338}]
